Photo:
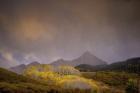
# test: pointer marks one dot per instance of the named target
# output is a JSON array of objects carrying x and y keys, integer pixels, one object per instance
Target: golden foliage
[
  {"x": 65, "y": 77},
  {"x": 68, "y": 70}
]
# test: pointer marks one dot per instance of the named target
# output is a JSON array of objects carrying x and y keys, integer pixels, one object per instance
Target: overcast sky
[{"x": 46, "y": 30}]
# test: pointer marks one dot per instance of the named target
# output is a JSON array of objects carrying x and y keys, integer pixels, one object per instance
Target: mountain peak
[
  {"x": 87, "y": 53},
  {"x": 60, "y": 62},
  {"x": 33, "y": 63},
  {"x": 85, "y": 58},
  {"x": 88, "y": 58},
  {"x": 60, "y": 59}
]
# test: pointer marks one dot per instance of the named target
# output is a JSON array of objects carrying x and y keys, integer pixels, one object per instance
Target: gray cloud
[{"x": 51, "y": 29}]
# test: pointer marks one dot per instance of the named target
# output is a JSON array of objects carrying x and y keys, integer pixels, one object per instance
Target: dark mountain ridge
[{"x": 131, "y": 65}]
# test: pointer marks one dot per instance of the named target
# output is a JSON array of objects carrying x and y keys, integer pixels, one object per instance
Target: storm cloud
[{"x": 46, "y": 30}]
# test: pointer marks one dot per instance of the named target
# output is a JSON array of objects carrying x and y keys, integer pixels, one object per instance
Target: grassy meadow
[
  {"x": 66, "y": 79},
  {"x": 116, "y": 82}
]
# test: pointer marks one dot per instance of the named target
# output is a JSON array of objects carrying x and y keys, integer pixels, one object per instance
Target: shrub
[
  {"x": 132, "y": 86},
  {"x": 76, "y": 82},
  {"x": 47, "y": 74},
  {"x": 67, "y": 70},
  {"x": 65, "y": 78},
  {"x": 33, "y": 70}
]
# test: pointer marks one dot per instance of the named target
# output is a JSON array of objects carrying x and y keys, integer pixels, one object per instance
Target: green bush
[
  {"x": 77, "y": 82},
  {"x": 65, "y": 77},
  {"x": 132, "y": 86},
  {"x": 67, "y": 70}
]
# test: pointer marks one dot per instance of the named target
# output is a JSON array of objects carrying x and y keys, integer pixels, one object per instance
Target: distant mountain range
[
  {"x": 89, "y": 62},
  {"x": 20, "y": 68},
  {"x": 86, "y": 58},
  {"x": 131, "y": 65}
]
